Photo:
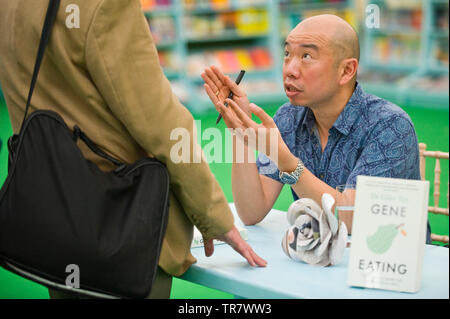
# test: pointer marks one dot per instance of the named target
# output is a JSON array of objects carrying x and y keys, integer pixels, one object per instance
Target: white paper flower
[{"x": 315, "y": 236}]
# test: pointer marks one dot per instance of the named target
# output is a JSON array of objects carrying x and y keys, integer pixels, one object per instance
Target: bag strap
[
  {"x": 78, "y": 133},
  {"x": 50, "y": 18}
]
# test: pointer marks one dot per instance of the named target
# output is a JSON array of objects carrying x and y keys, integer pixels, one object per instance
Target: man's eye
[
  {"x": 306, "y": 56},
  {"x": 286, "y": 53}
]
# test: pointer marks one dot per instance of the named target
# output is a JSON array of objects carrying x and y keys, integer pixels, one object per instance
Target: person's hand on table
[{"x": 234, "y": 239}]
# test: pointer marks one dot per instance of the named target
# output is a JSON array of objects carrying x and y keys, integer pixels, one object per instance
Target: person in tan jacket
[{"x": 105, "y": 77}]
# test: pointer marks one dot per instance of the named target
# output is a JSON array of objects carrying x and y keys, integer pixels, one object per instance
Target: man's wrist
[
  {"x": 291, "y": 178},
  {"x": 287, "y": 162}
]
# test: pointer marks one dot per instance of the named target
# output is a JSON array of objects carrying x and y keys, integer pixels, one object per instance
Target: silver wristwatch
[{"x": 292, "y": 178}]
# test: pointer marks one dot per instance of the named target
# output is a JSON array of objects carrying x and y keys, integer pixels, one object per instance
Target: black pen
[{"x": 238, "y": 80}]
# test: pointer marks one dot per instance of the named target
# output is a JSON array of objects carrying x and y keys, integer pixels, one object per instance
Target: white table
[{"x": 226, "y": 270}]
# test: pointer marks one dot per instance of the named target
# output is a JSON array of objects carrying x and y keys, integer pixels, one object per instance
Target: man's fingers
[
  {"x": 252, "y": 258},
  {"x": 213, "y": 97},
  {"x": 247, "y": 255},
  {"x": 234, "y": 239},
  {"x": 258, "y": 260},
  {"x": 225, "y": 80},
  {"x": 241, "y": 247},
  {"x": 213, "y": 86},
  {"x": 218, "y": 73},
  {"x": 209, "y": 247},
  {"x": 244, "y": 249},
  {"x": 234, "y": 87},
  {"x": 220, "y": 107},
  {"x": 266, "y": 120},
  {"x": 230, "y": 118},
  {"x": 247, "y": 121},
  {"x": 213, "y": 77}
]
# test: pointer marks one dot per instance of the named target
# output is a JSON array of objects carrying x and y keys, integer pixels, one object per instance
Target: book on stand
[{"x": 389, "y": 233}]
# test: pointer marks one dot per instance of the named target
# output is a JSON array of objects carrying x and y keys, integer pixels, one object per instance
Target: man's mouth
[{"x": 291, "y": 90}]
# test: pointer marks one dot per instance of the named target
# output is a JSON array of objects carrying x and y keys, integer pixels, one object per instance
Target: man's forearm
[
  {"x": 247, "y": 188},
  {"x": 309, "y": 186}
]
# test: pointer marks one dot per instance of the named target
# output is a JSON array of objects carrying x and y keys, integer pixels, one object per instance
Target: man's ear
[{"x": 348, "y": 69}]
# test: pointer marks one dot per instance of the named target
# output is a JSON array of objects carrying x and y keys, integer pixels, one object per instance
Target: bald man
[{"x": 330, "y": 132}]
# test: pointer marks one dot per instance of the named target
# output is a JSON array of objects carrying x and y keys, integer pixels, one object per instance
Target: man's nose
[{"x": 292, "y": 68}]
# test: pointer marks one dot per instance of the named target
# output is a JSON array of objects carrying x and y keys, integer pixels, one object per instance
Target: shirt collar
[
  {"x": 309, "y": 120},
  {"x": 351, "y": 111},
  {"x": 348, "y": 116}
]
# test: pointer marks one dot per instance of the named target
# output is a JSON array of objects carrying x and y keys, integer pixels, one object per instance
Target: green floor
[{"x": 432, "y": 127}]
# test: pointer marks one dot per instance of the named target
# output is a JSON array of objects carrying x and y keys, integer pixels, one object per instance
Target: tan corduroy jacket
[{"x": 105, "y": 76}]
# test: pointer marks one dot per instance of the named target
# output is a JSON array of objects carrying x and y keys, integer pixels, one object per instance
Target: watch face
[{"x": 288, "y": 179}]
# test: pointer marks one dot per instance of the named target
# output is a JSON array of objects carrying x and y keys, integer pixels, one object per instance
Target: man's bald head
[
  {"x": 341, "y": 37},
  {"x": 320, "y": 61}
]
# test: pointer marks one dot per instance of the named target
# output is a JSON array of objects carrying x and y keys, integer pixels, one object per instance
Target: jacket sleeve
[{"x": 123, "y": 63}]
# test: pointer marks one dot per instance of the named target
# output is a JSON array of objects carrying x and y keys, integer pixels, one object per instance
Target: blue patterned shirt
[{"x": 371, "y": 137}]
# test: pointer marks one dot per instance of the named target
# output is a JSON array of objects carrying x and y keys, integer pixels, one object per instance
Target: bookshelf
[
  {"x": 406, "y": 59},
  {"x": 193, "y": 34}
]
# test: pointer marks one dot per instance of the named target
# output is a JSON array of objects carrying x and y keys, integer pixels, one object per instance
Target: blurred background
[
  {"x": 404, "y": 59},
  {"x": 404, "y": 45}
]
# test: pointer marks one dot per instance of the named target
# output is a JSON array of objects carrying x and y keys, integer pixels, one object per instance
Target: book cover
[
  {"x": 389, "y": 232},
  {"x": 197, "y": 241}
]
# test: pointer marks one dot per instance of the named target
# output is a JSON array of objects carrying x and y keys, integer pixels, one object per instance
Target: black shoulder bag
[{"x": 61, "y": 216}]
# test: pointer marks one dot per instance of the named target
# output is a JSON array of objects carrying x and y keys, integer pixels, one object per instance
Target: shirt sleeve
[
  {"x": 391, "y": 151},
  {"x": 266, "y": 166}
]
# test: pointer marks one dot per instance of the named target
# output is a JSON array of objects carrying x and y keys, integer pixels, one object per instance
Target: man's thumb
[{"x": 209, "y": 247}]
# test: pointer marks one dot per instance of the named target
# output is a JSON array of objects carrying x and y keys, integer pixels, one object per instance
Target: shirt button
[{"x": 321, "y": 176}]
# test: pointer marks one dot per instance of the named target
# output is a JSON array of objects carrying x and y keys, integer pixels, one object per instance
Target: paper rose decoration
[{"x": 315, "y": 236}]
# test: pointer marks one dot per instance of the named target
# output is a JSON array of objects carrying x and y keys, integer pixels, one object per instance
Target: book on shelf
[
  {"x": 409, "y": 19},
  {"x": 231, "y": 61},
  {"x": 320, "y": 2},
  {"x": 163, "y": 29},
  {"x": 243, "y": 22},
  {"x": 180, "y": 90},
  {"x": 152, "y": 4},
  {"x": 398, "y": 49},
  {"x": 439, "y": 53},
  {"x": 169, "y": 61},
  {"x": 431, "y": 84},
  {"x": 290, "y": 18},
  {"x": 213, "y": 4},
  {"x": 252, "y": 22},
  {"x": 441, "y": 17},
  {"x": 220, "y": 4}
]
